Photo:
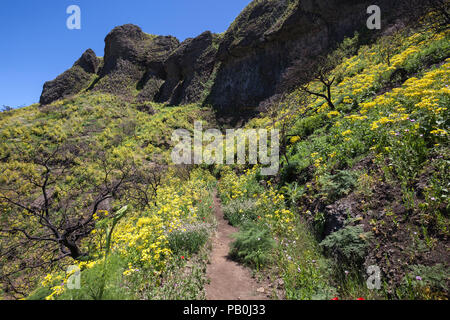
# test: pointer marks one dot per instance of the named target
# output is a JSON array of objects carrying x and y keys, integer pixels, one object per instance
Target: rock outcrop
[
  {"x": 134, "y": 60},
  {"x": 73, "y": 80},
  {"x": 188, "y": 70}
]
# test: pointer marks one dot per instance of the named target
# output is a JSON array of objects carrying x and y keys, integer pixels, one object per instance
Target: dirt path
[{"x": 229, "y": 280}]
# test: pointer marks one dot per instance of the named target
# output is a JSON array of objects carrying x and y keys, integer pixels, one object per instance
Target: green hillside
[{"x": 364, "y": 180}]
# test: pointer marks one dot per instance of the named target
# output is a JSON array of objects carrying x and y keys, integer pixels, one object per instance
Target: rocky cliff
[
  {"x": 233, "y": 72},
  {"x": 73, "y": 80},
  {"x": 268, "y": 36},
  {"x": 188, "y": 69},
  {"x": 134, "y": 61}
]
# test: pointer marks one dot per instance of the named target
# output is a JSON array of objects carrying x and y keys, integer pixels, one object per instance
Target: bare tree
[
  {"x": 311, "y": 69},
  {"x": 145, "y": 183},
  {"x": 284, "y": 110},
  {"x": 49, "y": 201}
]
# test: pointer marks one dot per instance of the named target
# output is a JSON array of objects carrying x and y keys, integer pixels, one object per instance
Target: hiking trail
[{"x": 228, "y": 279}]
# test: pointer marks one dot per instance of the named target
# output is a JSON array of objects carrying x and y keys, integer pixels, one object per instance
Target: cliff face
[
  {"x": 188, "y": 69},
  {"x": 233, "y": 73},
  {"x": 269, "y": 36}
]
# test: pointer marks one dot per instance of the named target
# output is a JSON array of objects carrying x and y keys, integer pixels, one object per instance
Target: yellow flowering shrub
[
  {"x": 270, "y": 203},
  {"x": 141, "y": 238}
]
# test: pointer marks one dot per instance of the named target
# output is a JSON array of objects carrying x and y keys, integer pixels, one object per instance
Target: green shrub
[
  {"x": 289, "y": 172},
  {"x": 339, "y": 185},
  {"x": 347, "y": 245},
  {"x": 303, "y": 268},
  {"x": 425, "y": 282},
  {"x": 435, "y": 53},
  {"x": 179, "y": 281},
  {"x": 435, "y": 277},
  {"x": 189, "y": 241},
  {"x": 101, "y": 282},
  {"x": 237, "y": 212},
  {"x": 40, "y": 293},
  {"x": 253, "y": 245},
  {"x": 253, "y": 185},
  {"x": 307, "y": 125},
  {"x": 293, "y": 192}
]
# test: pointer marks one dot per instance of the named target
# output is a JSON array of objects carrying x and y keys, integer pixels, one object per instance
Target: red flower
[
  {"x": 335, "y": 298},
  {"x": 210, "y": 207},
  {"x": 182, "y": 257},
  {"x": 360, "y": 299}
]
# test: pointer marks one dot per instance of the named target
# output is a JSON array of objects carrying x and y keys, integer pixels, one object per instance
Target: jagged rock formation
[
  {"x": 73, "y": 80},
  {"x": 134, "y": 60},
  {"x": 188, "y": 70},
  {"x": 233, "y": 73}
]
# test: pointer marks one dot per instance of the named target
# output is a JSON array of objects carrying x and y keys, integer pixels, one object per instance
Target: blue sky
[{"x": 37, "y": 46}]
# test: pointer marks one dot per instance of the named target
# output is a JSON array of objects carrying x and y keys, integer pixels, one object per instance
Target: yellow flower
[
  {"x": 439, "y": 132},
  {"x": 332, "y": 114},
  {"x": 346, "y": 133},
  {"x": 348, "y": 100}
]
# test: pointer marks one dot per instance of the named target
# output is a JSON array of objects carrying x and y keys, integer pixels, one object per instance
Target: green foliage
[
  {"x": 305, "y": 271},
  {"x": 348, "y": 245},
  {"x": 91, "y": 286},
  {"x": 338, "y": 185},
  {"x": 96, "y": 137},
  {"x": 436, "y": 52},
  {"x": 180, "y": 282},
  {"x": 293, "y": 192},
  {"x": 425, "y": 282},
  {"x": 253, "y": 245},
  {"x": 39, "y": 294},
  {"x": 109, "y": 224},
  {"x": 306, "y": 126},
  {"x": 111, "y": 287},
  {"x": 188, "y": 242},
  {"x": 432, "y": 276},
  {"x": 238, "y": 211}
]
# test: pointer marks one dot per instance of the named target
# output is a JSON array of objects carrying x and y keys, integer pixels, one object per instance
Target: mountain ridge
[{"x": 233, "y": 72}]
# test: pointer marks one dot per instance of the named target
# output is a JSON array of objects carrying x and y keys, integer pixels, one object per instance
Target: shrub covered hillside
[
  {"x": 85, "y": 180},
  {"x": 359, "y": 208},
  {"x": 365, "y": 177}
]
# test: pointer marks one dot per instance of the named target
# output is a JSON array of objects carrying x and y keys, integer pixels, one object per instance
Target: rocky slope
[{"x": 233, "y": 73}]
